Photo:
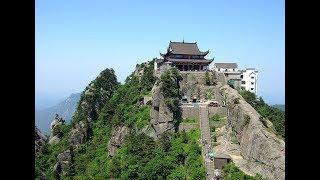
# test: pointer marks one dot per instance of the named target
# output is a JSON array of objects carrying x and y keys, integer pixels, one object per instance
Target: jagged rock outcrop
[
  {"x": 262, "y": 150},
  {"x": 78, "y": 134},
  {"x": 40, "y": 141},
  {"x": 62, "y": 166},
  {"x": 56, "y": 130},
  {"x": 116, "y": 139},
  {"x": 139, "y": 70},
  {"x": 161, "y": 116}
]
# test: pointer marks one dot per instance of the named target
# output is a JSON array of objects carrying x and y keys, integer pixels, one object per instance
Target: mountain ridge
[
  {"x": 117, "y": 132},
  {"x": 65, "y": 109}
]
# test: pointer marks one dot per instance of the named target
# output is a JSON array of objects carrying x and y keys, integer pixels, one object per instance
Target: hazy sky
[{"x": 77, "y": 39}]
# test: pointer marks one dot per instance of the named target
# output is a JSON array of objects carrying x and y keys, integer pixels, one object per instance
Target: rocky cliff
[
  {"x": 161, "y": 116},
  {"x": 40, "y": 141},
  {"x": 55, "y": 127},
  {"x": 259, "y": 149}
]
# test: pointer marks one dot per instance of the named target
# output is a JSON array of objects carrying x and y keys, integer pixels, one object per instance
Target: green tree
[{"x": 207, "y": 78}]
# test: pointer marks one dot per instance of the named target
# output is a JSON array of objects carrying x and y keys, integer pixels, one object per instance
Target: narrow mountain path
[{"x": 206, "y": 137}]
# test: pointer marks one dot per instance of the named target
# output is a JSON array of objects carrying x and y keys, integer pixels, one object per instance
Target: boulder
[
  {"x": 54, "y": 140},
  {"x": 78, "y": 134},
  {"x": 62, "y": 165},
  {"x": 56, "y": 129},
  {"x": 116, "y": 139}
]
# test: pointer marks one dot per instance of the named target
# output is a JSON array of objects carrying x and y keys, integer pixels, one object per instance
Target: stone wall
[
  {"x": 189, "y": 112},
  {"x": 194, "y": 84},
  {"x": 187, "y": 127},
  {"x": 217, "y": 110}
]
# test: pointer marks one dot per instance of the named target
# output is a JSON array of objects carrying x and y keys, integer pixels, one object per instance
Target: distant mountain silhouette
[{"x": 65, "y": 109}]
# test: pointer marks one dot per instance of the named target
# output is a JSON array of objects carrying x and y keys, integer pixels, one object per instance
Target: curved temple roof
[{"x": 184, "y": 48}]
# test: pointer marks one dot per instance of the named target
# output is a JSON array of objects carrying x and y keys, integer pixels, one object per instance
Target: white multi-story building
[
  {"x": 231, "y": 72},
  {"x": 249, "y": 78}
]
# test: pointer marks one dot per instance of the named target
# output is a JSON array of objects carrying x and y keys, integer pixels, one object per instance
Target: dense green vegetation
[
  {"x": 170, "y": 89},
  {"x": 45, "y": 162},
  {"x": 173, "y": 156},
  {"x": 124, "y": 108},
  {"x": 190, "y": 120},
  {"x": 217, "y": 121},
  {"x": 232, "y": 172},
  {"x": 95, "y": 95},
  {"x": 276, "y": 116},
  {"x": 282, "y": 107}
]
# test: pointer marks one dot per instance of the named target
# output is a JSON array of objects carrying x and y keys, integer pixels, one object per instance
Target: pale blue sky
[{"x": 77, "y": 39}]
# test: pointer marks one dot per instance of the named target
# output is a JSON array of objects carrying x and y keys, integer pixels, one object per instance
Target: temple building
[{"x": 184, "y": 56}]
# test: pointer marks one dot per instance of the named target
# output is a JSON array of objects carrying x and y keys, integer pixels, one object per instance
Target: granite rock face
[
  {"x": 40, "y": 141},
  {"x": 78, "y": 134},
  {"x": 54, "y": 140},
  {"x": 262, "y": 149},
  {"x": 117, "y": 139},
  {"x": 64, "y": 161},
  {"x": 161, "y": 116},
  {"x": 56, "y": 129}
]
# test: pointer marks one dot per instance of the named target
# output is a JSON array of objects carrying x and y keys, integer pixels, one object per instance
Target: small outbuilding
[{"x": 220, "y": 160}]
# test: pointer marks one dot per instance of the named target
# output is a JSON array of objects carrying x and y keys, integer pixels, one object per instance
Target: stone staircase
[{"x": 205, "y": 135}]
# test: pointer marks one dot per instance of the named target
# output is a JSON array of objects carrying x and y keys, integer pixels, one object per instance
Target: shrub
[
  {"x": 207, "y": 79},
  {"x": 263, "y": 120},
  {"x": 234, "y": 139},
  {"x": 215, "y": 117},
  {"x": 246, "y": 120},
  {"x": 231, "y": 172},
  {"x": 214, "y": 138},
  {"x": 190, "y": 120},
  {"x": 236, "y": 100},
  {"x": 276, "y": 116},
  {"x": 212, "y": 129},
  {"x": 209, "y": 95}
]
